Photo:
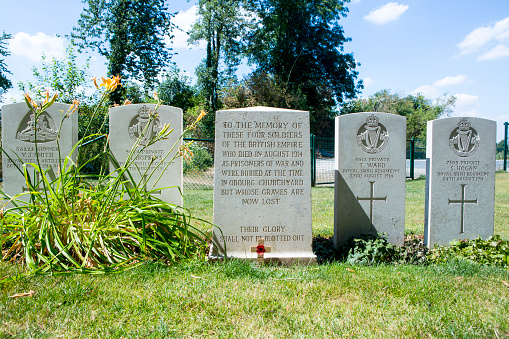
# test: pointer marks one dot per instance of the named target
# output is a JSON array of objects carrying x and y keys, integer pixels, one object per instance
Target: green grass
[{"x": 240, "y": 300}]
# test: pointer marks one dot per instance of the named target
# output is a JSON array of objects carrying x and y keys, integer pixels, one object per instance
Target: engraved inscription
[
  {"x": 372, "y": 137},
  {"x": 464, "y": 140}
]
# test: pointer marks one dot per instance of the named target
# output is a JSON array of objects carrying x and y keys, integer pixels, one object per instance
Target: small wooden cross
[{"x": 260, "y": 249}]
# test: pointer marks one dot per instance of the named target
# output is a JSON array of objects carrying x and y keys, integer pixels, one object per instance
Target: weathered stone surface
[
  {"x": 262, "y": 186},
  {"x": 460, "y": 179},
  {"x": 19, "y": 135},
  {"x": 151, "y": 168},
  {"x": 370, "y": 176}
]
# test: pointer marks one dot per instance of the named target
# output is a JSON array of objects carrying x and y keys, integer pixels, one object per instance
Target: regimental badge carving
[
  {"x": 372, "y": 137},
  {"x": 141, "y": 124},
  {"x": 464, "y": 140},
  {"x": 44, "y": 129}
]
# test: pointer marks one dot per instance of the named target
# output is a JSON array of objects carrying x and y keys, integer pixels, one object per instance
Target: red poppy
[{"x": 260, "y": 249}]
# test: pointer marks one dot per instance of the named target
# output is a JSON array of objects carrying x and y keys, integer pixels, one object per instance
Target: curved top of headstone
[
  {"x": 351, "y": 115},
  {"x": 261, "y": 109}
]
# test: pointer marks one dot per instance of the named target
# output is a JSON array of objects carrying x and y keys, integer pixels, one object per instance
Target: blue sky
[{"x": 458, "y": 47}]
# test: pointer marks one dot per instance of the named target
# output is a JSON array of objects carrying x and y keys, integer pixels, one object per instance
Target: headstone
[
  {"x": 370, "y": 176},
  {"x": 460, "y": 179},
  {"x": 152, "y": 169},
  {"x": 262, "y": 185},
  {"x": 20, "y": 132}
]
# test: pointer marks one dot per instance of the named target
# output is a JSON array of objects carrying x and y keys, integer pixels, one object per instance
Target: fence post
[
  {"x": 313, "y": 160},
  {"x": 505, "y": 146},
  {"x": 412, "y": 157}
]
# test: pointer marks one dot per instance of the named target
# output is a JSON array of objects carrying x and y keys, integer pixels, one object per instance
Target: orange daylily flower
[
  {"x": 29, "y": 101},
  {"x": 112, "y": 83},
  {"x": 94, "y": 79}
]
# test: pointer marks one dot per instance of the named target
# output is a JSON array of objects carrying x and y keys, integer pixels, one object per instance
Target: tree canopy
[
  {"x": 5, "y": 83},
  {"x": 130, "y": 34},
  {"x": 301, "y": 42},
  {"x": 416, "y": 108}
]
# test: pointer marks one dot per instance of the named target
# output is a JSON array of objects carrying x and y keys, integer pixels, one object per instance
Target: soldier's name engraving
[{"x": 371, "y": 168}]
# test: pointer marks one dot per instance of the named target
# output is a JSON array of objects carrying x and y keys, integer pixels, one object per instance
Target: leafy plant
[
  {"x": 200, "y": 160},
  {"x": 493, "y": 251},
  {"x": 72, "y": 226}
]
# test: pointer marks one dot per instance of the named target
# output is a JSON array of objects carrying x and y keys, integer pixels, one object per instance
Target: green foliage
[
  {"x": 493, "y": 251},
  {"x": 130, "y": 34},
  {"x": 71, "y": 226},
  {"x": 262, "y": 89},
  {"x": 416, "y": 108},
  {"x": 377, "y": 250},
  {"x": 301, "y": 42},
  {"x": 63, "y": 76},
  {"x": 175, "y": 90},
  {"x": 222, "y": 26},
  {"x": 200, "y": 160},
  {"x": 371, "y": 252},
  {"x": 5, "y": 83}
]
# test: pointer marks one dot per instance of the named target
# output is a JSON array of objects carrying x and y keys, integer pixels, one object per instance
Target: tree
[
  {"x": 301, "y": 42},
  {"x": 416, "y": 108},
  {"x": 5, "y": 83},
  {"x": 130, "y": 34},
  {"x": 175, "y": 90},
  {"x": 222, "y": 25},
  {"x": 63, "y": 76}
]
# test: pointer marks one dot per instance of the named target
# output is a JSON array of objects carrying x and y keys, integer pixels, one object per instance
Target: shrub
[{"x": 200, "y": 160}]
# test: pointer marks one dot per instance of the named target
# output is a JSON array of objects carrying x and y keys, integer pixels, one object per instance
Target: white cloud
[
  {"x": 32, "y": 46},
  {"x": 433, "y": 91},
  {"x": 427, "y": 91},
  {"x": 486, "y": 37},
  {"x": 184, "y": 20},
  {"x": 387, "y": 13},
  {"x": 448, "y": 81},
  {"x": 368, "y": 81},
  {"x": 466, "y": 105},
  {"x": 496, "y": 52}
]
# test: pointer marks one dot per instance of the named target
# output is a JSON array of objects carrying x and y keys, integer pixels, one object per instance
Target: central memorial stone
[
  {"x": 262, "y": 185},
  {"x": 153, "y": 168},
  {"x": 370, "y": 176}
]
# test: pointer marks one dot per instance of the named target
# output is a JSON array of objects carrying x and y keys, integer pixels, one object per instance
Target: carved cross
[
  {"x": 372, "y": 198},
  {"x": 260, "y": 249},
  {"x": 463, "y": 201}
]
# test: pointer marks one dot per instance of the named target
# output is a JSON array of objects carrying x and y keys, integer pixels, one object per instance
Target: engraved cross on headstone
[
  {"x": 36, "y": 181},
  {"x": 260, "y": 249},
  {"x": 463, "y": 201},
  {"x": 372, "y": 198}
]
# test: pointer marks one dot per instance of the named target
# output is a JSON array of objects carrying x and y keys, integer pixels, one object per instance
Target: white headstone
[
  {"x": 460, "y": 179},
  {"x": 152, "y": 168},
  {"x": 20, "y": 132},
  {"x": 262, "y": 185},
  {"x": 370, "y": 176}
]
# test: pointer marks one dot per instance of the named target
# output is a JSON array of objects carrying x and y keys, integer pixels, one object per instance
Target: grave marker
[
  {"x": 262, "y": 185},
  {"x": 19, "y": 134},
  {"x": 127, "y": 124},
  {"x": 460, "y": 180},
  {"x": 370, "y": 176}
]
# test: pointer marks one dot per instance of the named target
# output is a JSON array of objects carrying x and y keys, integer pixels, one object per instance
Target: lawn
[{"x": 235, "y": 299}]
